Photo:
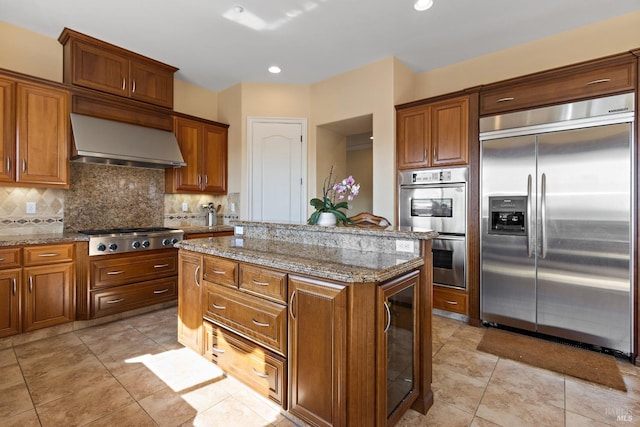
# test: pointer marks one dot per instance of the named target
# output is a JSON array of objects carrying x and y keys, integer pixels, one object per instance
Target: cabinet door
[
  {"x": 214, "y": 159},
  {"x": 189, "y": 301},
  {"x": 10, "y": 302},
  {"x": 413, "y": 140},
  {"x": 48, "y": 295},
  {"x": 43, "y": 136},
  {"x": 398, "y": 348},
  {"x": 96, "y": 68},
  {"x": 8, "y": 142},
  {"x": 450, "y": 132},
  {"x": 189, "y": 136},
  {"x": 317, "y": 351},
  {"x": 151, "y": 84}
]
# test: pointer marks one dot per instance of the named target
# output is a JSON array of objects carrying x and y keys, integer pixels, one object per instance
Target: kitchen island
[{"x": 333, "y": 324}]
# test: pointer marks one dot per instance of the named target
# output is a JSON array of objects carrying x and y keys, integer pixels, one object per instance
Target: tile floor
[{"x": 133, "y": 372}]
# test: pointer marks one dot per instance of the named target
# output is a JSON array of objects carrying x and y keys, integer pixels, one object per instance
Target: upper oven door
[{"x": 439, "y": 207}]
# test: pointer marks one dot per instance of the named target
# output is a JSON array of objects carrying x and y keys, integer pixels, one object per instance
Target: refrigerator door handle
[
  {"x": 543, "y": 215},
  {"x": 529, "y": 216}
]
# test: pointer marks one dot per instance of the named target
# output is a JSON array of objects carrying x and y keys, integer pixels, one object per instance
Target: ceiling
[{"x": 216, "y": 47}]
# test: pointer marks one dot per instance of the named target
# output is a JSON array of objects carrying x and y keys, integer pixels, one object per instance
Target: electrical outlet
[
  {"x": 404, "y": 245},
  {"x": 238, "y": 230},
  {"x": 31, "y": 207},
  {"x": 185, "y": 207}
]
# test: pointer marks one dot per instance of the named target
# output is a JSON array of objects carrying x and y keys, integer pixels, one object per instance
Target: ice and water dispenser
[{"x": 508, "y": 215}]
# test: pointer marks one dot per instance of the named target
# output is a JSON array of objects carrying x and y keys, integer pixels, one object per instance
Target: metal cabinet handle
[
  {"x": 386, "y": 307},
  {"x": 206, "y": 180},
  {"x": 199, "y": 180},
  {"x": 24, "y": 165},
  {"x": 505, "y": 99},
  {"x": 1, "y": 259},
  {"x": 528, "y": 224},
  {"x": 195, "y": 276},
  {"x": 48, "y": 255},
  {"x": 291, "y": 305},
  {"x": 216, "y": 349},
  {"x": 161, "y": 265},
  {"x": 257, "y": 282},
  {"x": 161, "y": 291},
  {"x": 260, "y": 374},
  {"x": 113, "y": 273},
  {"x": 8, "y": 164},
  {"x": 124, "y": 83},
  {"x": 218, "y": 272},
  {"x": 264, "y": 325},
  {"x": 451, "y": 302},
  {"x": 543, "y": 216},
  {"x": 133, "y": 89},
  {"x": 593, "y": 82},
  {"x": 218, "y": 307},
  {"x": 15, "y": 288},
  {"x": 30, "y": 284},
  {"x": 115, "y": 301}
]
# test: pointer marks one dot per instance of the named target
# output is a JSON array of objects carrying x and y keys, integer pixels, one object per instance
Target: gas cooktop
[{"x": 120, "y": 240}]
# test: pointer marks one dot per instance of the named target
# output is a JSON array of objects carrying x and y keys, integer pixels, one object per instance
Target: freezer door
[
  {"x": 584, "y": 245},
  {"x": 508, "y": 288}
]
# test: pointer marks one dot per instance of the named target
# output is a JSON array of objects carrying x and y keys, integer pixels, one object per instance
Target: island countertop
[{"x": 345, "y": 254}]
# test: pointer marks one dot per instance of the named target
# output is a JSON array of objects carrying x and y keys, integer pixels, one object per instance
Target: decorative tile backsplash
[
  {"x": 48, "y": 216},
  {"x": 104, "y": 196}
]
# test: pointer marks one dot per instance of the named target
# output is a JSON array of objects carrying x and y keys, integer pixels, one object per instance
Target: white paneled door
[{"x": 277, "y": 166}]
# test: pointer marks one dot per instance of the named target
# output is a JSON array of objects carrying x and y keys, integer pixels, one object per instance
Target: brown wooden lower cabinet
[
  {"x": 48, "y": 295},
  {"x": 10, "y": 289},
  {"x": 136, "y": 295},
  {"x": 264, "y": 371},
  {"x": 189, "y": 300},
  {"x": 450, "y": 300}
]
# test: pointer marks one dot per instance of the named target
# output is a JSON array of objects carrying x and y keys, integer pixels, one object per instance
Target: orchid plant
[{"x": 333, "y": 198}]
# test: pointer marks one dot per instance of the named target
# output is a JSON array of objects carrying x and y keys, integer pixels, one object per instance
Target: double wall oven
[{"x": 436, "y": 199}]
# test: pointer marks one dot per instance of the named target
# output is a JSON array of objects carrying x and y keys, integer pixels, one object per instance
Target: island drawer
[
  {"x": 260, "y": 369},
  {"x": 262, "y": 321},
  {"x": 10, "y": 258},
  {"x": 48, "y": 254},
  {"x": 116, "y": 270},
  {"x": 220, "y": 271},
  {"x": 128, "y": 297},
  {"x": 264, "y": 282}
]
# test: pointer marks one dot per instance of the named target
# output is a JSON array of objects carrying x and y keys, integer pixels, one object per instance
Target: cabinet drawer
[
  {"x": 263, "y": 282},
  {"x": 260, "y": 369},
  {"x": 220, "y": 271},
  {"x": 48, "y": 254},
  {"x": 129, "y": 297},
  {"x": 10, "y": 258},
  {"x": 262, "y": 321},
  {"x": 553, "y": 88},
  {"x": 110, "y": 271},
  {"x": 450, "y": 300}
]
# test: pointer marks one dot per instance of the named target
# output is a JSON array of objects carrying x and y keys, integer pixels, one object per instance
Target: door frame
[{"x": 302, "y": 121}]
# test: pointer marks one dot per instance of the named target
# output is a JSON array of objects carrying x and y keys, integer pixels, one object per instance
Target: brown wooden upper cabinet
[
  {"x": 204, "y": 149},
  {"x": 98, "y": 65},
  {"x": 34, "y": 123},
  {"x": 433, "y": 133},
  {"x": 605, "y": 76}
]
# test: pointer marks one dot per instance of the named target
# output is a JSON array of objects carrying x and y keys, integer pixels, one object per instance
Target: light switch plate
[
  {"x": 185, "y": 207},
  {"x": 31, "y": 207}
]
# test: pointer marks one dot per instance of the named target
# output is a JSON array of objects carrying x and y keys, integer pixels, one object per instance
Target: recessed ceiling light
[
  {"x": 274, "y": 69},
  {"x": 421, "y": 5},
  {"x": 238, "y": 9}
]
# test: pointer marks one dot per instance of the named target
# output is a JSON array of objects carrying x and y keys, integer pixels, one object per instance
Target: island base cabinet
[
  {"x": 260, "y": 369},
  {"x": 317, "y": 351},
  {"x": 189, "y": 300}
]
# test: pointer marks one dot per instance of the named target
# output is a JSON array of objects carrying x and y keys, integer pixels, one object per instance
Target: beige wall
[
  {"x": 603, "y": 38},
  {"x": 195, "y": 100},
  {"x": 359, "y": 165},
  {"x": 331, "y": 152}
]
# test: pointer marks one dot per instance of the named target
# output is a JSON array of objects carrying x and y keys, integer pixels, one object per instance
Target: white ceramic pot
[{"x": 327, "y": 219}]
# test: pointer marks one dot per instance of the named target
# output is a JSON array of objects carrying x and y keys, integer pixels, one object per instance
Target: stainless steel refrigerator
[{"x": 557, "y": 220}]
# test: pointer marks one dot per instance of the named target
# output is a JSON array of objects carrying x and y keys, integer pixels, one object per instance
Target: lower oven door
[{"x": 449, "y": 260}]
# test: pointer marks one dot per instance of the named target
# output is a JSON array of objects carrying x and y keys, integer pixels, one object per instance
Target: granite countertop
[
  {"x": 205, "y": 229},
  {"x": 344, "y": 265},
  {"x": 40, "y": 239}
]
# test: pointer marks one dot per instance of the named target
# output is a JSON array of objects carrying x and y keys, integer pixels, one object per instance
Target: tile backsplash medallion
[
  {"x": 14, "y": 218},
  {"x": 105, "y": 196}
]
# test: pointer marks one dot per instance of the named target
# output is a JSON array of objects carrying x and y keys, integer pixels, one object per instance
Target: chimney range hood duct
[{"x": 116, "y": 143}]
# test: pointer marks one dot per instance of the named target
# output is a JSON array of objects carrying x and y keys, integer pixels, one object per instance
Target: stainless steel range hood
[{"x": 115, "y": 143}]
